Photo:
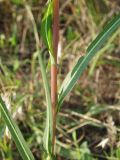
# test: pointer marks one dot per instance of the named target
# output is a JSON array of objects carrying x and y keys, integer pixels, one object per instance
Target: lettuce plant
[{"x": 54, "y": 98}]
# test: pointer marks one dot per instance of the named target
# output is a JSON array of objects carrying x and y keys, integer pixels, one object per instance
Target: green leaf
[
  {"x": 48, "y": 133},
  {"x": 83, "y": 62},
  {"x": 46, "y": 33},
  {"x": 16, "y": 134},
  {"x": 46, "y": 29}
]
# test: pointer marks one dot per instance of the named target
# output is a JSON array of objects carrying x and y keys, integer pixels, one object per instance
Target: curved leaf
[
  {"x": 46, "y": 29},
  {"x": 16, "y": 134},
  {"x": 81, "y": 65}
]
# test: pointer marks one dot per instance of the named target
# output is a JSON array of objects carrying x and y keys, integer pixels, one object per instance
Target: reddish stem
[{"x": 54, "y": 66}]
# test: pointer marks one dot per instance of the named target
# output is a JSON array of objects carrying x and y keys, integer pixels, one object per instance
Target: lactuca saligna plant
[{"x": 50, "y": 35}]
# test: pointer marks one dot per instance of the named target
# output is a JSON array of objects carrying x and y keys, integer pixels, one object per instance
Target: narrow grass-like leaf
[
  {"x": 81, "y": 65},
  {"x": 16, "y": 134},
  {"x": 47, "y": 139},
  {"x": 46, "y": 29}
]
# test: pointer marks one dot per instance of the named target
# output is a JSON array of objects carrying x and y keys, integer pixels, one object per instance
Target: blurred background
[{"x": 88, "y": 126}]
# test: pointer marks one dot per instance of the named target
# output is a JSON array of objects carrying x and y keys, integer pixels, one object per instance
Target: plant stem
[{"x": 54, "y": 66}]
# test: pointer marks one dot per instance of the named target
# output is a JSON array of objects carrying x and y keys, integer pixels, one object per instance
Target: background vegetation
[{"x": 89, "y": 123}]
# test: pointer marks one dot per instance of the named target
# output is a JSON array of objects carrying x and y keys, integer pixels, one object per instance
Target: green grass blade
[
  {"x": 81, "y": 65},
  {"x": 46, "y": 29},
  {"x": 47, "y": 139},
  {"x": 16, "y": 134}
]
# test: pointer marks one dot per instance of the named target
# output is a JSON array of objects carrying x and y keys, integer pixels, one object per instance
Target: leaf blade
[
  {"x": 46, "y": 30},
  {"x": 16, "y": 134},
  {"x": 91, "y": 51},
  {"x": 47, "y": 138}
]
